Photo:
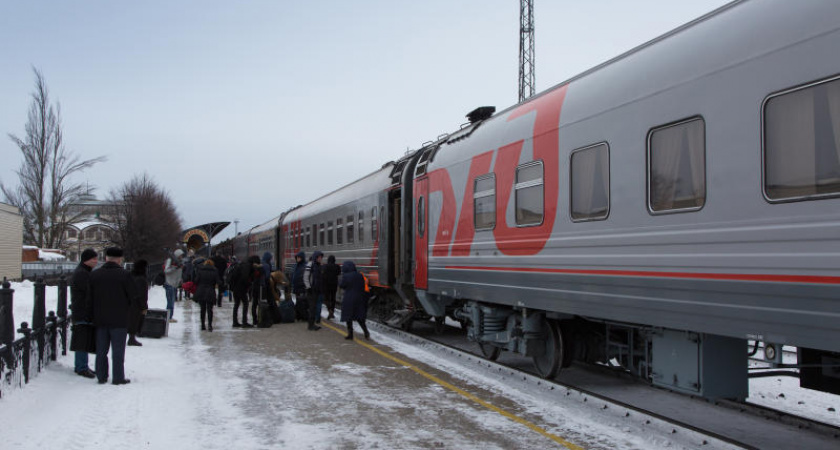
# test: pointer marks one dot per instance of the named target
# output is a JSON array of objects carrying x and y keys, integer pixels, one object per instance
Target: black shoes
[
  {"x": 102, "y": 381},
  {"x": 119, "y": 382},
  {"x": 349, "y": 337},
  {"x": 203, "y": 327},
  {"x": 87, "y": 373},
  {"x": 247, "y": 325},
  {"x": 236, "y": 325},
  {"x": 314, "y": 328},
  {"x": 210, "y": 328},
  {"x": 135, "y": 343}
]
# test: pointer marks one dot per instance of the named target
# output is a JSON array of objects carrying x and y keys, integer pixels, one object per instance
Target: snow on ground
[{"x": 187, "y": 394}]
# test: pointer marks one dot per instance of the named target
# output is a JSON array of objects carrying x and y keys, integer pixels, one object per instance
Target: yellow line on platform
[{"x": 462, "y": 392}]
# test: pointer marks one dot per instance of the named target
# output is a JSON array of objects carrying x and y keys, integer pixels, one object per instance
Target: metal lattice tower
[{"x": 526, "y": 49}]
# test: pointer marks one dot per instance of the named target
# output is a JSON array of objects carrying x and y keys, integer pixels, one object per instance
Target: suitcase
[
  {"x": 264, "y": 319},
  {"x": 155, "y": 324},
  {"x": 287, "y": 311}
]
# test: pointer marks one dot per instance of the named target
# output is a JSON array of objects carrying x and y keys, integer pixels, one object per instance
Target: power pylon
[{"x": 526, "y": 49}]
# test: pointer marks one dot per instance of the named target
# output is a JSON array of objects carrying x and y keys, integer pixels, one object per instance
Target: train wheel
[
  {"x": 440, "y": 324},
  {"x": 490, "y": 351},
  {"x": 548, "y": 357}
]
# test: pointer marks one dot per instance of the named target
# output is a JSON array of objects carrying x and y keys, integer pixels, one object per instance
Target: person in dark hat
[
  {"x": 141, "y": 306},
  {"x": 112, "y": 292},
  {"x": 79, "y": 307}
]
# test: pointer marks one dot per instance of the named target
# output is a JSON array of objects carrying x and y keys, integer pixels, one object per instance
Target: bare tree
[
  {"x": 45, "y": 191},
  {"x": 146, "y": 219}
]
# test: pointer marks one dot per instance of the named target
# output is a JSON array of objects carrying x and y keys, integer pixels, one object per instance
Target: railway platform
[{"x": 315, "y": 389}]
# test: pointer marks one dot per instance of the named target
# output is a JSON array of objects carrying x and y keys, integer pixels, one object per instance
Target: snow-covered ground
[{"x": 189, "y": 394}]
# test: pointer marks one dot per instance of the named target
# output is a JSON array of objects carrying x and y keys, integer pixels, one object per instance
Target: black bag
[
  {"x": 287, "y": 311},
  {"x": 83, "y": 338},
  {"x": 276, "y": 315},
  {"x": 301, "y": 307},
  {"x": 264, "y": 315}
]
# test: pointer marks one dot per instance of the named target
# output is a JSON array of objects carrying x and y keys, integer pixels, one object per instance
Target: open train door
[{"x": 421, "y": 235}]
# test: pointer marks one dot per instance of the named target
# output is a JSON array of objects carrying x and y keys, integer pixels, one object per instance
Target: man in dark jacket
[
  {"x": 312, "y": 279},
  {"x": 240, "y": 281},
  {"x": 221, "y": 263},
  {"x": 79, "y": 304},
  {"x": 259, "y": 281},
  {"x": 299, "y": 287},
  {"x": 331, "y": 272},
  {"x": 112, "y": 292}
]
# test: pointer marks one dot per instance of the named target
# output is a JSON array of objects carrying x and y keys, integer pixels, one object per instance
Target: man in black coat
[
  {"x": 312, "y": 280},
  {"x": 221, "y": 263},
  {"x": 330, "y": 273},
  {"x": 79, "y": 304},
  {"x": 112, "y": 292}
]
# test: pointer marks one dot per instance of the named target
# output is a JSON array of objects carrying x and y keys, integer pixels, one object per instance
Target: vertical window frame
[
  {"x": 649, "y": 169},
  {"x": 517, "y": 186},
  {"x": 571, "y": 183},
  {"x": 484, "y": 194}
]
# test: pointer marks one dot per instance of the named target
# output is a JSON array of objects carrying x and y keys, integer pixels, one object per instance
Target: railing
[{"x": 39, "y": 344}]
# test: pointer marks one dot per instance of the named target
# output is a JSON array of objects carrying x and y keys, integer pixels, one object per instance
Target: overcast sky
[{"x": 241, "y": 110}]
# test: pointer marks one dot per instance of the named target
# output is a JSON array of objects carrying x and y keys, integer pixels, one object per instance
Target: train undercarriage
[{"x": 706, "y": 365}]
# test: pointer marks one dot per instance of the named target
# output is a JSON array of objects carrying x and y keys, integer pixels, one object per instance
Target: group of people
[
  {"x": 317, "y": 283},
  {"x": 113, "y": 302},
  {"x": 206, "y": 277}
]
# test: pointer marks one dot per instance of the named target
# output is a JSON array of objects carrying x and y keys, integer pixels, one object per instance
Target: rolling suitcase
[{"x": 155, "y": 324}]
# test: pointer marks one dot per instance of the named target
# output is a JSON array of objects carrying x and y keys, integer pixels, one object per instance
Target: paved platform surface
[{"x": 314, "y": 389}]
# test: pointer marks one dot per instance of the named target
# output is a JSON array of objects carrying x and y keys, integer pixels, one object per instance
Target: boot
[
  {"x": 133, "y": 341},
  {"x": 247, "y": 325},
  {"x": 331, "y": 315},
  {"x": 210, "y": 327},
  {"x": 364, "y": 328},
  {"x": 236, "y": 324},
  {"x": 203, "y": 327},
  {"x": 349, "y": 331}
]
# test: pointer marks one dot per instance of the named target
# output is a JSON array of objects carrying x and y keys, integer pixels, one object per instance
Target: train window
[
  {"x": 361, "y": 226},
  {"x": 802, "y": 143},
  {"x": 350, "y": 229},
  {"x": 677, "y": 166},
  {"x": 421, "y": 217},
  {"x": 484, "y": 202},
  {"x": 339, "y": 231},
  {"x": 373, "y": 224},
  {"x": 329, "y": 233},
  {"x": 323, "y": 235},
  {"x": 308, "y": 238},
  {"x": 529, "y": 194},
  {"x": 315, "y": 235},
  {"x": 590, "y": 183}
]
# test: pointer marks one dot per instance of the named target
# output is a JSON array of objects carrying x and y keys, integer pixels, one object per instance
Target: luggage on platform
[
  {"x": 264, "y": 318},
  {"x": 155, "y": 324},
  {"x": 287, "y": 311}
]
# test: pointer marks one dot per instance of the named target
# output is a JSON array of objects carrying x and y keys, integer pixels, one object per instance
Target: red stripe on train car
[{"x": 813, "y": 279}]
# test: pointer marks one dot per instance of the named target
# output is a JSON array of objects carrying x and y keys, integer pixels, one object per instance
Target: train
[{"x": 661, "y": 212}]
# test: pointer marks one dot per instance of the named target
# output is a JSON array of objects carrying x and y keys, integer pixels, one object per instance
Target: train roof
[{"x": 372, "y": 183}]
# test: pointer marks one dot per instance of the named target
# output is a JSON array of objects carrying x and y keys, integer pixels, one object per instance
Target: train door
[
  {"x": 394, "y": 238},
  {"x": 421, "y": 235}
]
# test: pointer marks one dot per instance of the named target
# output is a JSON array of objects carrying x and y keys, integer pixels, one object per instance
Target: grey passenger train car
[{"x": 659, "y": 211}]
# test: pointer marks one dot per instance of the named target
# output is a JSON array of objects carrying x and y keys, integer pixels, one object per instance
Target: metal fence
[{"x": 25, "y": 357}]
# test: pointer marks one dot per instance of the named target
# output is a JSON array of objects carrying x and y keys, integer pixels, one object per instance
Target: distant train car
[
  {"x": 657, "y": 211},
  {"x": 263, "y": 238}
]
